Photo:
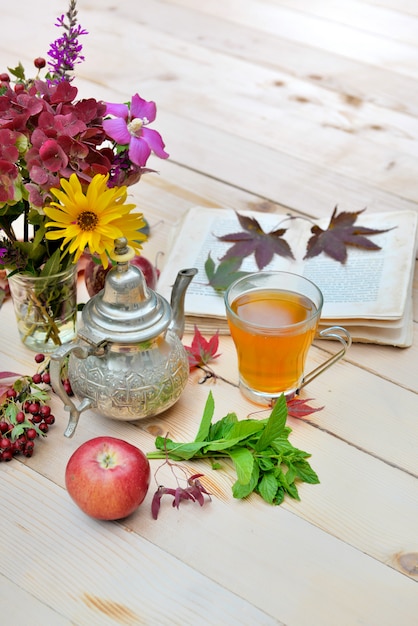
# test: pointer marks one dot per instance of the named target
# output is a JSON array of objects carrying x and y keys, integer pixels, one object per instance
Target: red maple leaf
[
  {"x": 298, "y": 407},
  {"x": 253, "y": 239},
  {"x": 202, "y": 351},
  {"x": 340, "y": 233}
]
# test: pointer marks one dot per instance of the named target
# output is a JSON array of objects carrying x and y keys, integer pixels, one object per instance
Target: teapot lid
[{"x": 126, "y": 310}]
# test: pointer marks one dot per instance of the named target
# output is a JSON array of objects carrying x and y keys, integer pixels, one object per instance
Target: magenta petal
[
  {"x": 117, "y": 130},
  {"x": 118, "y": 110},
  {"x": 139, "y": 151},
  {"x": 141, "y": 108},
  {"x": 155, "y": 142}
]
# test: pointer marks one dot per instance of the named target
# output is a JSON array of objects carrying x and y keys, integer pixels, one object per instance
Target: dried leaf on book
[
  {"x": 253, "y": 239},
  {"x": 341, "y": 232}
]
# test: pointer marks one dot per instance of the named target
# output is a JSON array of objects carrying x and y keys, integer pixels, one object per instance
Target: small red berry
[
  {"x": 28, "y": 450},
  {"x": 11, "y": 393},
  {"x": 43, "y": 427},
  {"x": 21, "y": 442},
  {"x": 36, "y": 379},
  {"x": 39, "y": 62},
  {"x": 67, "y": 386},
  {"x": 19, "y": 88},
  {"x": 39, "y": 358},
  {"x": 15, "y": 447},
  {"x": 5, "y": 443},
  {"x": 31, "y": 434},
  {"x": 20, "y": 417},
  {"x": 46, "y": 378},
  {"x": 34, "y": 408},
  {"x": 4, "y": 78},
  {"x": 7, "y": 455},
  {"x": 50, "y": 419},
  {"x": 4, "y": 427},
  {"x": 45, "y": 410}
]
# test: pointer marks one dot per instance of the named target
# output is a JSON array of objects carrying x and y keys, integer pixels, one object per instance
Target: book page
[{"x": 371, "y": 284}]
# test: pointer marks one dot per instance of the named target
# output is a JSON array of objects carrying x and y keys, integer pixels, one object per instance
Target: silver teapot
[{"x": 127, "y": 362}]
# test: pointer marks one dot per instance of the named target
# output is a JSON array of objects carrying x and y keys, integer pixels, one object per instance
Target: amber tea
[
  {"x": 273, "y": 334},
  {"x": 273, "y": 318}
]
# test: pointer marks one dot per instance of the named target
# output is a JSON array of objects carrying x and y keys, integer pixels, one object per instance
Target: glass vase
[{"x": 45, "y": 308}]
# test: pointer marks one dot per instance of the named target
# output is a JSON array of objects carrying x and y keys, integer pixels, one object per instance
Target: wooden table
[{"x": 271, "y": 105}]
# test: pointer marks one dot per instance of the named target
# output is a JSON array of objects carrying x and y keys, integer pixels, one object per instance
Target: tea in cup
[{"x": 273, "y": 318}]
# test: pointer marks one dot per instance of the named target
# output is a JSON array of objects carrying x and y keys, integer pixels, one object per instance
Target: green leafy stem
[{"x": 264, "y": 459}]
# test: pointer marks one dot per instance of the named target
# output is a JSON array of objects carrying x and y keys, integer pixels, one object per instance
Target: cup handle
[{"x": 332, "y": 332}]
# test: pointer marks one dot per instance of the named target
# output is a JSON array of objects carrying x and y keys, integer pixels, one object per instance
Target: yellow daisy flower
[{"x": 93, "y": 219}]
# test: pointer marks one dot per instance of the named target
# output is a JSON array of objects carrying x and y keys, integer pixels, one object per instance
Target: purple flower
[
  {"x": 65, "y": 51},
  {"x": 128, "y": 128}
]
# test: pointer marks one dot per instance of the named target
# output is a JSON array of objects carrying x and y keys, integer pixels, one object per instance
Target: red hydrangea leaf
[
  {"x": 202, "y": 351},
  {"x": 254, "y": 240},
  {"x": 299, "y": 407},
  {"x": 340, "y": 233}
]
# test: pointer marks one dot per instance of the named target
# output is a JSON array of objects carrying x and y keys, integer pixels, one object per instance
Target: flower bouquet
[{"x": 65, "y": 165}]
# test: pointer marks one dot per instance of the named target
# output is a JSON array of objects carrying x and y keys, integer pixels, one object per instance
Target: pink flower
[{"x": 128, "y": 128}]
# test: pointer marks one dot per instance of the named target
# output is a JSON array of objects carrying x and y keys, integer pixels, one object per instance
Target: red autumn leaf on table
[
  {"x": 202, "y": 351},
  {"x": 253, "y": 239},
  {"x": 5, "y": 387},
  {"x": 341, "y": 232},
  {"x": 298, "y": 407}
]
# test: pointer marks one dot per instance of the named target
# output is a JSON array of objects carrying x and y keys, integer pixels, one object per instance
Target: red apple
[
  {"x": 95, "y": 274},
  {"x": 108, "y": 478}
]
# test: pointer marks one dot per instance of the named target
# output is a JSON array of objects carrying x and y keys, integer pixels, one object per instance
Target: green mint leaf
[
  {"x": 275, "y": 424},
  {"x": 244, "y": 464},
  {"x": 203, "y": 432},
  {"x": 223, "y": 444},
  {"x": 245, "y": 428},
  {"x": 279, "y": 496},
  {"x": 240, "y": 491},
  {"x": 292, "y": 490},
  {"x": 305, "y": 472},
  {"x": 221, "y": 428},
  {"x": 266, "y": 463},
  {"x": 176, "y": 451},
  {"x": 268, "y": 487}
]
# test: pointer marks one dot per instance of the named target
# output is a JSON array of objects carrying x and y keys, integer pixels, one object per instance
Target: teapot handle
[{"x": 57, "y": 359}]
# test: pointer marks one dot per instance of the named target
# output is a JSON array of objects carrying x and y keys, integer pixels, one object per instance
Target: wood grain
[{"x": 275, "y": 105}]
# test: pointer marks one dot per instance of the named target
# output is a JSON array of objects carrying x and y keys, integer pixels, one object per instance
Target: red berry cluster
[{"x": 25, "y": 413}]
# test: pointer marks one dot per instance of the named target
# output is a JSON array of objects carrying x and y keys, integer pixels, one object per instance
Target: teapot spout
[{"x": 183, "y": 280}]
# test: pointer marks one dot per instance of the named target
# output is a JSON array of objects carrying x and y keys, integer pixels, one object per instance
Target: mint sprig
[{"x": 264, "y": 459}]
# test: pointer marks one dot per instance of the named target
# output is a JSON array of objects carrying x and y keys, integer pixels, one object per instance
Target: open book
[{"x": 370, "y": 295}]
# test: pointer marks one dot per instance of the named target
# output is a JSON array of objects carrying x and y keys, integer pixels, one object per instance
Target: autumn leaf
[
  {"x": 224, "y": 274},
  {"x": 253, "y": 240},
  {"x": 202, "y": 351},
  {"x": 341, "y": 232},
  {"x": 299, "y": 407}
]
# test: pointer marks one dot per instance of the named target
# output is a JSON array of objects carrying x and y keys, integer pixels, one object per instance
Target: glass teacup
[{"x": 273, "y": 318}]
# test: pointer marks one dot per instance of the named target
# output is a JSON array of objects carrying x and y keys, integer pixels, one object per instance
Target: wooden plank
[
  {"x": 103, "y": 573},
  {"x": 409, "y": 7},
  {"x": 360, "y": 445},
  {"x": 299, "y": 27},
  {"x": 291, "y": 139},
  {"x": 390, "y": 24},
  {"x": 17, "y": 606},
  {"x": 355, "y": 82},
  {"x": 124, "y": 575}
]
